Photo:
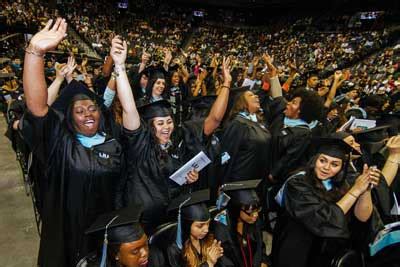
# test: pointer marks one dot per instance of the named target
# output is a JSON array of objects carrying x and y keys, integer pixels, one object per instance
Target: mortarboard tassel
[
  {"x": 104, "y": 250},
  {"x": 179, "y": 226}
]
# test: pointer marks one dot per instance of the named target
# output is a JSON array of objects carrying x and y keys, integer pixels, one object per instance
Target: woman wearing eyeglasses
[{"x": 238, "y": 228}]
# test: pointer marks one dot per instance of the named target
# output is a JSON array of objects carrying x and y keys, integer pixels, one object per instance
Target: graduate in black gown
[
  {"x": 81, "y": 162},
  {"x": 318, "y": 207},
  {"x": 151, "y": 154},
  {"x": 238, "y": 228},
  {"x": 291, "y": 131},
  {"x": 124, "y": 242},
  {"x": 245, "y": 142},
  {"x": 194, "y": 246}
]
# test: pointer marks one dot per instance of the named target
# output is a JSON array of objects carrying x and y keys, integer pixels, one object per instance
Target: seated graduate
[
  {"x": 239, "y": 226},
  {"x": 194, "y": 245},
  {"x": 318, "y": 206},
  {"x": 125, "y": 243},
  {"x": 152, "y": 154}
]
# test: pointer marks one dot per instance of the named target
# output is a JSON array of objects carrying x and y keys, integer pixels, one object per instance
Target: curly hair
[{"x": 311, "y": 105}]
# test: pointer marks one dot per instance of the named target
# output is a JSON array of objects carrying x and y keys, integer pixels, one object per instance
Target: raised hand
[
  {"x": 48, "y": 38},
  {"x": 362, "y": 182},
  {"x": 145, "y": 57},
  {"x": 393, "y": 146},
  {"x": 167, "y": 56},
  {"x": 226, "y": 69},
  {"x": 71, "y": 66},
  {"x": 338, "y": 75},
  {"x": 119, "y": 50}
]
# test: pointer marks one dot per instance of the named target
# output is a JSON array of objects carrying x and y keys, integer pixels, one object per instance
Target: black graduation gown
[
  {"x": 248, "y": 145},
  {"x": 78, "y": 185},
  {"x": 289, "y": 144},
  {"x": 311, "y": 231},
  {"x": 232, "y": 248},
  {"x": 147, "y": 177}
]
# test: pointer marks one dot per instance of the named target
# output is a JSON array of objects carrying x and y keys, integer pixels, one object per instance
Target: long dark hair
[
  {"x": 339, "y": 183},
  {"x": 189, "y": 254},
  {"x": 161, "y": 154},
  {"x": 69, "y": 118}
]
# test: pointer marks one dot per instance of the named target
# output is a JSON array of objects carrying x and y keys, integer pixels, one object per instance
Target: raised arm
[
  {"x": 218, "y": 109},
  {"x": 35, "y": 87},
  {"x": 337, "y": 82},
  {"x": 276, "y": 88},
  {"x": 54, "y": 88},
  {"x": 144, "y": 61},
  {"x": 391, "y": 167},
  {"x": 130, "y": 115}
]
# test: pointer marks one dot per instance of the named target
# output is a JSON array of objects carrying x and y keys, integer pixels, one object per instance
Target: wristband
[
  {"x": 118, "y": 69},
  {"x": 30, "y": 51}
]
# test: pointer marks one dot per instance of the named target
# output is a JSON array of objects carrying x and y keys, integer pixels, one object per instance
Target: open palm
[{"x": 48, "y": 38}]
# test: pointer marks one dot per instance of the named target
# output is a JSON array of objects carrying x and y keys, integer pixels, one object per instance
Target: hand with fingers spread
[
  {"x": 192, "y": 176},
  {"x": 71, "y": 66},
  {"x": 48, "y": 38},
  {"x": 145, "y": 57},
  {"x": 119, "y": 50},
  {"x": 226, "y": 70}
]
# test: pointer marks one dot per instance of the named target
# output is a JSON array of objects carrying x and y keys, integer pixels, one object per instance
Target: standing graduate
[
  {"x": 194, "y": 246},
  {"x": 238, "y": 228},
  {"x": 318, "y": 205},
  {"x": 246, "y": 142},
  {"x": 151, "y": 154},
  {"x": 81, "y": 161}
]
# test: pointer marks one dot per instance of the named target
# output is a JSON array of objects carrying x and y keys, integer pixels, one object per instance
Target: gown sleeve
[
  {"x": 320, "y": 217},
  {"x": 42, "y": 133}
]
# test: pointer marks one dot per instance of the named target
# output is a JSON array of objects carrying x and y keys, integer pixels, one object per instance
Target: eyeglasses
[{"x": 252, "y": 212}]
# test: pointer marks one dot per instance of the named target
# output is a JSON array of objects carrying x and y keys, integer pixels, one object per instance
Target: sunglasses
[{"x": 252, "y": 211}]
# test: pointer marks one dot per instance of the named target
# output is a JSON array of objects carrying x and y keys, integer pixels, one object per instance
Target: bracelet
[
  {"x": 29, "y": 50},
  {"x": 351, "y": 194},
  {"x": 224, "y": 86},
  {"x": 114, "y": 76},
  {"x": 118, "y": 69},
  {"x": 392, "y": 161}
]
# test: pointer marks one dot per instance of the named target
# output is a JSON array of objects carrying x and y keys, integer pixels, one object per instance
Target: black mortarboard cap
[
  {"x": 202, "y": 102},
  {"x": 242, "y": 192},
  {"x": 160, "y": 108},
  {"x": 72, "y": 89},
  {"x": 333, "y": 146},
  {"x": 191, "y": 207},
  {"x": 120, "y": 226},
  {"x": 375, "y": 134}
]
